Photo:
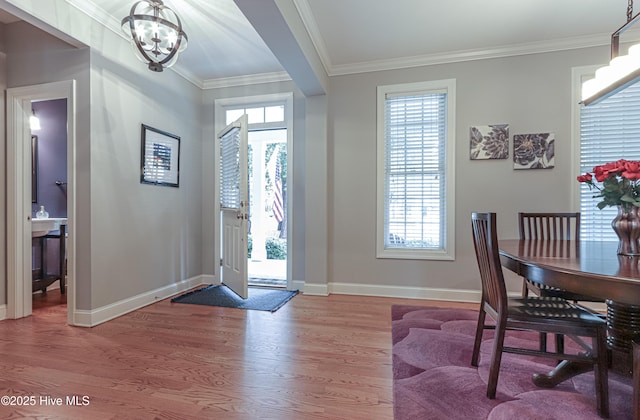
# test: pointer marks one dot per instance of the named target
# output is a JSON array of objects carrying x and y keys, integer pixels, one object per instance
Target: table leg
[{"x": 564, "y": 370}]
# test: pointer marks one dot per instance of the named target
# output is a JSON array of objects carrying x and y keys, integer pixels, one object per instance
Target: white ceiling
[{"x": 366, "y": 35}]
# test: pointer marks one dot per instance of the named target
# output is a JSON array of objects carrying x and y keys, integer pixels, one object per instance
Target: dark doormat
[{"x": 260, "y": 299}]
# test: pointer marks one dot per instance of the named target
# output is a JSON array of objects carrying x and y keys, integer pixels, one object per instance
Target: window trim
[
  {"x": 578, "y": 75},
  {"x": 435, "y": 86}
]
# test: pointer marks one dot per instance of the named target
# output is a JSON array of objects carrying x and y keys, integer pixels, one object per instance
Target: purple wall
[{"x": 52, "y": 156}]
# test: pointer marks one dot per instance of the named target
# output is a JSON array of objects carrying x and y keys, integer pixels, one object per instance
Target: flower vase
[{"x": 627, "y": 226}]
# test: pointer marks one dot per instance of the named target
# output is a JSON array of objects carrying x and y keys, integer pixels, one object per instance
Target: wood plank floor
[{"x": 315, "y": 358}]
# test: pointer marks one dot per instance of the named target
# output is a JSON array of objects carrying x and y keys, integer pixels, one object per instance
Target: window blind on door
[{"x": 230, "y": 169}]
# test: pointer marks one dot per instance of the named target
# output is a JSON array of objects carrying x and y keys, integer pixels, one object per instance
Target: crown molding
[
  {"x": 249, "y": 79},
  {"x": 471, "y": 55},
  {"x": 309, "y": 22}
]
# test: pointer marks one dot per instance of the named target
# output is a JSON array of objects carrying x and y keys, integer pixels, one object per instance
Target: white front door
[{"x": 234, "y": 206}]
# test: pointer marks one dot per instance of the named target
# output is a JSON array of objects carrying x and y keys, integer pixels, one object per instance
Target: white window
[
  {"x": 257, "y": 115},
  {"x": 609, "y": 131},
  {"x": 415, "y": 180}
]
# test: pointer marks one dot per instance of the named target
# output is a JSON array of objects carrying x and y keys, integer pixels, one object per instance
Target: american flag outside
[{"x": 278, "y": 207}]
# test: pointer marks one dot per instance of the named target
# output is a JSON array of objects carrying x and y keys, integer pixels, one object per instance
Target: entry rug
[
  {"x": 433, "y": 377},
  {"x": 260, "y": 299}
]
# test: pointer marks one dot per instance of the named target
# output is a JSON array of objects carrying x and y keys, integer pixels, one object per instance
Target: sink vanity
[
  {"x": 41, "y": 227},
  {"x": 45, "y": 232}
]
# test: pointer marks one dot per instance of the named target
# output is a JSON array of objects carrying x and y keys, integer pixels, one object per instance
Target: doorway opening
[
  {"x": 270, "y": 151},
  {"x": 49, "y": 196},
  {"x": 20, "y": 228},
  {"x": 267, "y": 240}
]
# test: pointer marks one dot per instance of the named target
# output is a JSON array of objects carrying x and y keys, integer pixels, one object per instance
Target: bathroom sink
[{"x": 41, "y": 227}]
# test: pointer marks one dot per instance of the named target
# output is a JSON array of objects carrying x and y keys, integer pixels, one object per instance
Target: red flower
[
  {"x": 585, "y": 178},
  {"x": 632, "y": 170},
  {"x": 620, "y": 183}
]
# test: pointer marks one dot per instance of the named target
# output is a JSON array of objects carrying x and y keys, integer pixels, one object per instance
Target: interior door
[{"x": 234, "y": 206}]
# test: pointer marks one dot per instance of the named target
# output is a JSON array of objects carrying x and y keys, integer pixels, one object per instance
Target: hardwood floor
[{"x": 315, "y": 358}]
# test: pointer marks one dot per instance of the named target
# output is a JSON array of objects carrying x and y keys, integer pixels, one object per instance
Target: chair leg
[
  {"x": 525, "y": 288},
  {"x": 496, "y": 359},
  {"x": 601, "y": 371},
  {"x": 559, "y": 343},
  {"x": 478, "y": 340},
  {"x": 543, "y": 341}
]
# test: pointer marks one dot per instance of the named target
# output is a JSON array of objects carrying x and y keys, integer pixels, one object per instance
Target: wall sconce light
[
  {"x": 34, "y": 122},
  {"x": 156, "y": 33},
  {"x": 622, "y": 71}
]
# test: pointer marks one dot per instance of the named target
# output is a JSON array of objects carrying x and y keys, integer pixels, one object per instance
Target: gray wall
[
  {"x": 51, "y": 156},
  {"x": 135, "y": 238},
  {"x": 531, "y": 93},
  {"x": 131, "y": 238},
  {"x": 35, "y": 57}
]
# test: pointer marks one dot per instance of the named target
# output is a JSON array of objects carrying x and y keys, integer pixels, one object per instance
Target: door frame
[
  {"x": 219, "y": 125},
  {"x": 19, "y": 193}
]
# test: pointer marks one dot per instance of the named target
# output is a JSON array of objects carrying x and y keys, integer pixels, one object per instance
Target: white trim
[
  {"x": 471, "y": 55},
  {"x": 19, "y": 193},
  {"x": 219, "y": 124},
  {"x": 452, "y": 295},
  {"x": 3, "y": 312},
  {"x": 317, "y": 289},
  {"x": 578, "y": 75},
  {"x": 448, "y": 86},
  {"x": 91, "y": 318},
  {"x": 249, "y": 79}
]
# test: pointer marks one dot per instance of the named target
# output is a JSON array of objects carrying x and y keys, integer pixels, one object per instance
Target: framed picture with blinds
[{"x": 160, "y": 157}]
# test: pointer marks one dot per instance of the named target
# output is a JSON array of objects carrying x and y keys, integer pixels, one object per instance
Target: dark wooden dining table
[{"x": 590, "y": 268}]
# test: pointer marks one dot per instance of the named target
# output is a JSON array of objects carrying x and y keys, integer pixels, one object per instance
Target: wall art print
[
  {"x": 534, "y": 151},
  {"x": 160, "y": 157},
  {"x": 489, "y": 142}
]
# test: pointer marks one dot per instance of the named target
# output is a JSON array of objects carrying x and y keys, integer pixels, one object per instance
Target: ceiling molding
[
  {"x": 98, "y": 14},
  {"x": 250, "y": 79},
  {"x": 309, "y": 21},
  {"x": 470, "y": 55}
]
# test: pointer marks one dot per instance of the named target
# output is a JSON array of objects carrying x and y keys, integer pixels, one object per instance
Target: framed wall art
[
  {"x": 489, "y": 142},
  {"x": 160, "y": 157},
  {"x": 534, "y": 151}
]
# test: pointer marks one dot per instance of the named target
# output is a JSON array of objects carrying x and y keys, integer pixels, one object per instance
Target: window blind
[
  {"x": 609, "y": 131},
  {"x": 415, "y": 135},
  {"x": 230, "y": 169}
]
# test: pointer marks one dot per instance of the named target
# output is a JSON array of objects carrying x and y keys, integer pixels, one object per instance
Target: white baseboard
[
  {"x": 314, "y": 289},
  {"x": 3, "y": 312},
  {"x": 454, "y": 295},
  {"x": 91, "y": 318}
]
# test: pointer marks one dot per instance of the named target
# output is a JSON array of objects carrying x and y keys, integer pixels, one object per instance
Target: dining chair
[
  {"x": 559, "y": 226},
  {"x": 554, "y": 226},
  {"x": 536, "y": 313}
]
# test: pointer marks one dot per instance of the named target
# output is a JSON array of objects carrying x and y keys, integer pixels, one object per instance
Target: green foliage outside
[{"x": 276, "y": 248}]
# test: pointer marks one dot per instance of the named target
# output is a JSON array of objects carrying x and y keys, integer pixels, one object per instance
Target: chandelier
[
  {"x": 622, "y": 71},
  {"x": 156, "y": 33}
]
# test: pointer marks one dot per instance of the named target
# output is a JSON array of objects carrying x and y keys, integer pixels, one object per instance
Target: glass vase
[{"x": 627, "y": 226}]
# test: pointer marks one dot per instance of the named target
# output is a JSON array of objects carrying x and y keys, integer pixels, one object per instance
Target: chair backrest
[
  {"x": 549, "y": 226},
  {"x": 485, "y": 241}
]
